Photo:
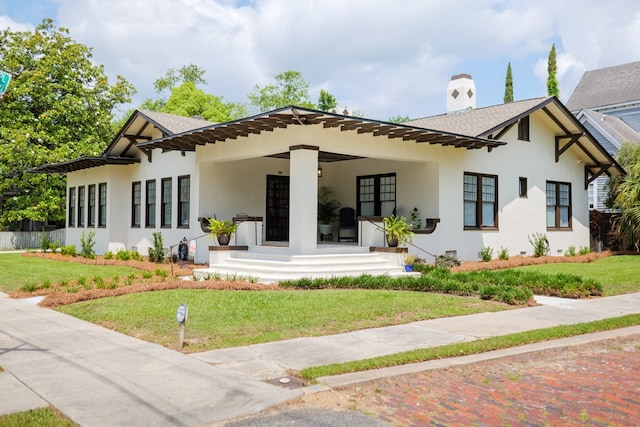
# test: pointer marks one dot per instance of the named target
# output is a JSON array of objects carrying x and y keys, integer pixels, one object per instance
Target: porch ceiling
[{"x": 297, "y": 116}]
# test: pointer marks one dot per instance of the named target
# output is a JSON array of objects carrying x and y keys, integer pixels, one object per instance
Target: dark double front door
[{"x": 277, "y": 221}]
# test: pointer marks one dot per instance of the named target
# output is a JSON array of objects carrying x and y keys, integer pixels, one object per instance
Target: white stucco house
[{"x": 479, "y": 177}]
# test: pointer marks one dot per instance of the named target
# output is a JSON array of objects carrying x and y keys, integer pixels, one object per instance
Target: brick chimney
[{"x": 461, "y": 93}]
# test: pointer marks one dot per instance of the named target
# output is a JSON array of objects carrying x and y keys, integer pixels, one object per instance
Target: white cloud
[{"x": 384, "y": 58}]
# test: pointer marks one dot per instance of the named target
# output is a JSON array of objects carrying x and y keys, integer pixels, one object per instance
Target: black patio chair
[{"x": 347, "y": 225}]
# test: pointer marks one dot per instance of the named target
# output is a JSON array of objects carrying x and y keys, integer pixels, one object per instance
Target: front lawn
[{"x": 219, "y": 318}]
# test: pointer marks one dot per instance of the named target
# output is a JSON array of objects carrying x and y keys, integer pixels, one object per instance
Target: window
[
  {"x": 91, "y": 211},
  {"x": 376, "y": 195},
  {"x": 523, "y": 129},
  {"x": 558, "y": 205},
  {"x": 81, "y": 206},
  {"x": 165, "y": 206},
  {"x": 480, "y": 201},
  {"x": 72, "y": 207},
  {"x": 136, "y": 198},
  {"x": 102, "y": 204},
  {"x": 150, "y": 211},
  {"x": 183, "y": 200},
  {"x": 522, "y": 188}
]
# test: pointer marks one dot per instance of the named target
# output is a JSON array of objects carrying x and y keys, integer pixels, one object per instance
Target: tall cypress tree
[
  {"x": 552, "y": 68},
  {"x": 508, "y": 86}
]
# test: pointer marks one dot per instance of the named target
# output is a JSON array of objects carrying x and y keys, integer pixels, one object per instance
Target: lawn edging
[{"x": 468, "y": 348}]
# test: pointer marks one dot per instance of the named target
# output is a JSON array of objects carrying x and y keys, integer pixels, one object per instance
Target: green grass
[
  {"x": 618, "y": 274},
  {"x": 17, "y": 270},
  {"x": 473, "y": 347},
  {"x": 219, "y": 319},
  {"x": 35, "y": 418}
]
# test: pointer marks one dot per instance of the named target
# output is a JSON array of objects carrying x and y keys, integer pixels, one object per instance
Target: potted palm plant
[
  {"x": 327, "y": 210},
  {"x": 222, "y": 229},
  {"x": 398, "y": 230}
]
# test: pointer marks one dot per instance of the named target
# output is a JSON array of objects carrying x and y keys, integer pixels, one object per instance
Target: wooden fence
[{"x": 11, "y": 240}]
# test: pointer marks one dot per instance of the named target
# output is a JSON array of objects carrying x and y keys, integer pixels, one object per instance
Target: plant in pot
[
  {"x": 399, "y": 231},
  {"x": 222, "y": 229},
  {"x": 327, "y": 210}
]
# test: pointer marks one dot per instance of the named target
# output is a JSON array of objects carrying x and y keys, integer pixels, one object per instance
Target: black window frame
[
  {"x": 479, "y": 201},
  {"x": 81, "y": 205},
  {"x": 166, "y": 202},
  {"x": 91, "y": 205},
  {"x": 377, "y": 192},
  {"x": 150, "y": 194},
  {"x": 524, "y": 129},
  {"x": 523, "y": 187},
  {"x": 102, "y": 204},
  {"x": 136, "y": 204},
  {"x": 184, "y": 201},
  {"x": 72, "y": 206},
  {"x": 558, "y": 206}
]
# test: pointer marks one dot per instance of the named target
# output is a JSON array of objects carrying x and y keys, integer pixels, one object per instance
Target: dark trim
[
  {"x": 304, "y": 147},
  {"x": 479, "y": 202},
  {"x": 82, "y": 163}
]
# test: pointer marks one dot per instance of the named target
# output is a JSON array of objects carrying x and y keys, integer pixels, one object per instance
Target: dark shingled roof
[
  {"x": 479, "y": 122},
  {"x": 607, "y": 86}
]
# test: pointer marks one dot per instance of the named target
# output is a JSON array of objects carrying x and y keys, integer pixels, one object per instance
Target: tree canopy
[
  {"x": 508, "y": 86},
  {"x": 290, "y": 88},
  {"x": 552, "y": 81},
  {"x": 58, "y": 107},
  {"x": 625, "y": 192},
  {"x": 326, "y": 101}
]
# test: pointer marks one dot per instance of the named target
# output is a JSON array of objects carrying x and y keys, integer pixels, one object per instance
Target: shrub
[
  {"x": 86, "y": 245},
  {"x": 503, "y": 254},
  {"x": 123, "y": 255},
  {"x": 161, "y": 273},
  {"x": 82, "y": 281},
  {"x": 147, "y": 274},
  {"x": 571, "y": 251},
  {"x": 68, "y": 250},
  {"x": 540, "y": 244},
  {"x": 108, "y": 255},
  {"x": 584, "y": 250},
  {"x": 29, "y": 287},
  {"x": 156, "y": 253},
  {"x": 99, "y": 281},
  {"x": 486, "y": 253},
  {"x": 45, "y": 241},
  {"x": 447, "y": 261}
]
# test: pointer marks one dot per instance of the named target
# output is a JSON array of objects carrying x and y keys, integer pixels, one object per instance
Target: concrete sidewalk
[
  {"x": 98, "y": 377},
  {"x": 272, "y": 360}
]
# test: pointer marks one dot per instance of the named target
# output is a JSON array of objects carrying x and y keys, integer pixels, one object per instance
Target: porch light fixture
[{"x": 319, "y": 171}]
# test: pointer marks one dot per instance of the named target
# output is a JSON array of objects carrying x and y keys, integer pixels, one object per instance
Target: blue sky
[{"x": 376, "y": 57}]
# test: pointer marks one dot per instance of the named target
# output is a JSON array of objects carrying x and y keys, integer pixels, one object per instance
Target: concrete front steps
[{"x": 271, "y": 265}]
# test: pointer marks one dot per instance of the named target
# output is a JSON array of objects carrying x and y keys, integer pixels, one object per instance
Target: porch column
[{"x": 303, "y": 198}]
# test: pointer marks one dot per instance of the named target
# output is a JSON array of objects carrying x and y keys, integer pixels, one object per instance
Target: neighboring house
[
  {"x": 607, "y": 102},
  {"x": 482, "y": 177}
]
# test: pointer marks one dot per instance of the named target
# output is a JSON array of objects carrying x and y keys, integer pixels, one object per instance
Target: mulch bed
[{"x": 55, "y": 298}]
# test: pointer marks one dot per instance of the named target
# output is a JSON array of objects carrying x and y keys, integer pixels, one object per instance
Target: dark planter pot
[
  {"x": 393, "y": 243},
  {"x": 223, "y": 239}
]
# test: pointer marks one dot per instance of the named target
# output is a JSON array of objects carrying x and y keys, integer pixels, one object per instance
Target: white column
[{"x": 303, "y": 199}]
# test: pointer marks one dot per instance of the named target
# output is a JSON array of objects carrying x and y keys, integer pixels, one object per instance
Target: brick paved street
[{"x": 596, "y": 384}]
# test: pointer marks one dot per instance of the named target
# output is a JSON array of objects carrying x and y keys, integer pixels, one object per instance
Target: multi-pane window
[
  {"x": 91, "y": 206},
  {"x": 376, "y": 195},
  {"x": 480, "y": 201},
  {"x": 81, "y": 205},
  {"x": 102, "y": 204},
  {"x": 150, "y": 211},
  {"x": 136, "y": 198},
  {"x": 72, "y": 207},
  {"x": 184, "y": 183},
  {"x": 558, "y": 204},
  {"x": 165, "y": 205}
]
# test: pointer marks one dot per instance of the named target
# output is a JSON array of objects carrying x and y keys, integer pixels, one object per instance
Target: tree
[
  {"x": 552, "y": 68},
  {"x": 58, "y": 107},
  {"x": 398, "y": 119},
  {"x": 290, "y": 88},
  {"x": 326, "y": 101},
  {"x": 625, "y": 192},
  {"x": 508, "y": 86},
  {"x": 187, "y": 100}
]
